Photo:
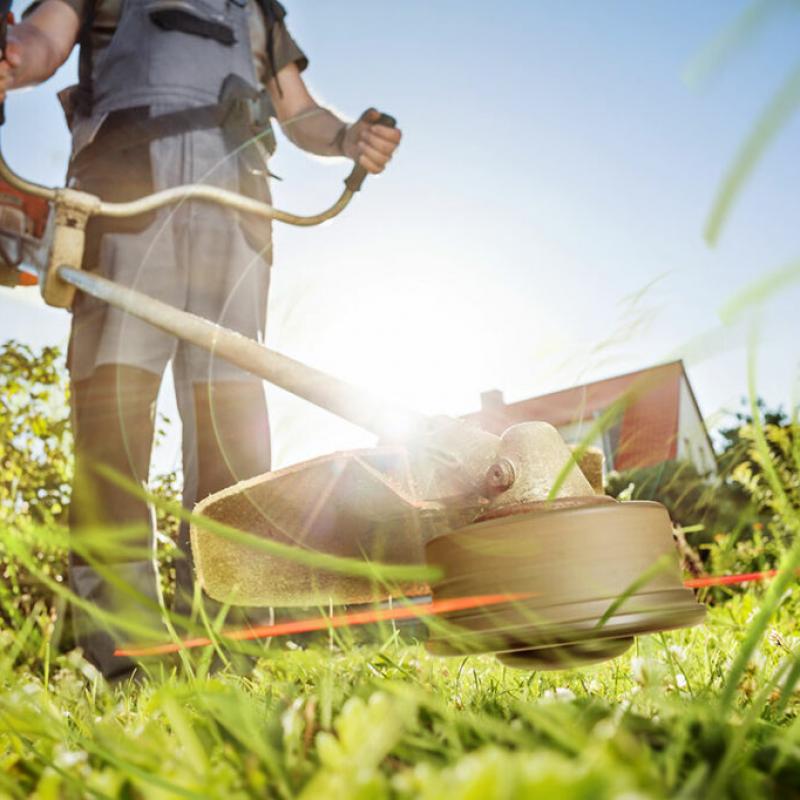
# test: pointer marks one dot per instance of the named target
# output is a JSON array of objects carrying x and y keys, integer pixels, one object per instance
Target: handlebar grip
[{"x": 356, "y": 178}]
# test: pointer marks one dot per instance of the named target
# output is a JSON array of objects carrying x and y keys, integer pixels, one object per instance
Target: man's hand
[
  {"x": 38, "y": 45},
  {"x": 370, "y": 145},
  {"x": 318, "y": 130},
  {"x": 12, "y": 58}
]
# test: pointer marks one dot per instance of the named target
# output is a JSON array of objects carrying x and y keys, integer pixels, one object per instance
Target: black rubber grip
[{"x": 355, "y": 179}]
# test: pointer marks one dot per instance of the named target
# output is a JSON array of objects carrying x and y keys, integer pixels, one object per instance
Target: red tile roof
[{"x": 648, "y": 400}]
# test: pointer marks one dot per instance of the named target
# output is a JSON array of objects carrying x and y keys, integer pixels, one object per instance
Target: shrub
[{"x": 35, "y": 483}]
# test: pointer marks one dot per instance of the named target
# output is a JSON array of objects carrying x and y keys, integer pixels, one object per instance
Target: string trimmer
[{"x": 511, "y": 515}]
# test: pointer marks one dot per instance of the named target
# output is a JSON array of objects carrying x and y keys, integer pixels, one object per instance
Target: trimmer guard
[{"x": 356, "y": 504}]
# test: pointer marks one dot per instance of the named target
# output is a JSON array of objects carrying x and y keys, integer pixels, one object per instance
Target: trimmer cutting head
[
  {"x": 584, "y": 573},
  {"x": 585, "y": 578}
]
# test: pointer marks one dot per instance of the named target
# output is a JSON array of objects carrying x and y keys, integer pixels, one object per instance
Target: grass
[
  {"x": 348, "y": 720},
  {"x": 710, "y": 712}
]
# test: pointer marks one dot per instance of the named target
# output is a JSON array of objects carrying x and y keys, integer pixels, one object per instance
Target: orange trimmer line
[
  {"x": 388, "y": 614},
  {"x": 727, "y": 580},
  {"x": 324, "y": 623}
]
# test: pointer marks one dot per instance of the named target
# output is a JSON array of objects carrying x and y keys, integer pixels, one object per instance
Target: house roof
[
  {"x": 578, "y": 402},
  {"x": 649, "y": 398}
]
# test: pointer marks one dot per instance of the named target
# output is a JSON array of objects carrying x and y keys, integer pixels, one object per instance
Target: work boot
[{"x": 99, "y": 637}]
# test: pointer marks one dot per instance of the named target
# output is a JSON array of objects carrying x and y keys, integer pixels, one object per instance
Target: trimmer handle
[
  {"x": 356, "y": 178},
  {"x": 5, "y": 11}
]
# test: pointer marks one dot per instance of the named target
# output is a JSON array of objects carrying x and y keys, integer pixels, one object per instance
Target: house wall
[
  {"x": 606, "y": 440},
  {"x": 692, "y": 439},
  {"x": 649, "y": 429}
]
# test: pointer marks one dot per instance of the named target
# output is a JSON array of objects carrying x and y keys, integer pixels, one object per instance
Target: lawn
[{"x": 334, "y": 718}]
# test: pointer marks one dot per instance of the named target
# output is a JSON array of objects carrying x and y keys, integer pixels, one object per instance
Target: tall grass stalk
[{"x": 789, "y": 562}]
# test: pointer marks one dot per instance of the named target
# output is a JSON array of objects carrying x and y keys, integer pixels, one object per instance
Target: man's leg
[
  {"x": 226, "y": 440},
  {"x": 233, "y": 441},
  {"x": 113, "y": 416},
  {"x": 223, "y": 408}
]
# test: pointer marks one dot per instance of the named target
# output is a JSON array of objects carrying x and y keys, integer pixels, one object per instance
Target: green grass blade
[{"x": 774, "y": 117}]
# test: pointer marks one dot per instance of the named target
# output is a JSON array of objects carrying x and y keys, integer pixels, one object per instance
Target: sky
[{"x": 542, "y": 223}]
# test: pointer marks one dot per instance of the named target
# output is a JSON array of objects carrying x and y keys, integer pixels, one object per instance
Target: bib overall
[{"x": 166, "y": 57}]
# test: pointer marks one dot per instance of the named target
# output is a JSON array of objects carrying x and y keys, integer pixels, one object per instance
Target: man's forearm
[
  {"x": 316, "y": 130},
  {"x": 39, "y": 45},
  {"x": 40, "y": 58},
  {"x": 306, "y": 123}
]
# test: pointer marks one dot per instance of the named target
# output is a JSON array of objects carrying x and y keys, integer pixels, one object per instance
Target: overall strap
[
  {"x": 84, "y": 99},
  {"x": 273, "y": 13}
]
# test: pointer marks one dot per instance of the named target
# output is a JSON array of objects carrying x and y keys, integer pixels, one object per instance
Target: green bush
[
  {"x": 687, "y": 495},
  {"x": 766, "y": 469},
  {"x": 35, "y": 484},
  {"x": 35, "y": 436}
]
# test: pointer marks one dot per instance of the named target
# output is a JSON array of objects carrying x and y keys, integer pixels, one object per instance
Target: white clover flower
[
  {"x": 64, "y": 758},
  {"x": 560, "y": 693},
  {"x": 677, "y": 651},
  {"x": 639, "y": 669}
]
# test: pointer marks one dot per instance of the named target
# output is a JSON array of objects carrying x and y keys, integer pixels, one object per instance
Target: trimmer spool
[{"x": 599, "y": 572}]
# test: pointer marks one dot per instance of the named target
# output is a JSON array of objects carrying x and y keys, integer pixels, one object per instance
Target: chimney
[{"x": 492, "y": 401}]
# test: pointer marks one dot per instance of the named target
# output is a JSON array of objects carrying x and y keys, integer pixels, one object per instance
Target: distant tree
[
  {"x": 767, "y": 477},
  {"x": 769, "y": 471}
]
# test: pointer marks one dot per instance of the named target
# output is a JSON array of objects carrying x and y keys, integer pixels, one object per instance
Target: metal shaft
[{"x": 352, "y": 403}]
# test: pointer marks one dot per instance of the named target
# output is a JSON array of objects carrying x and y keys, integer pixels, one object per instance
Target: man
[{"x": 171, "y": 92}]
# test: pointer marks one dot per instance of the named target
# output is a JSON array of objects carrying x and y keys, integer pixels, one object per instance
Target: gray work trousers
[{"x": 199, "y": 258}]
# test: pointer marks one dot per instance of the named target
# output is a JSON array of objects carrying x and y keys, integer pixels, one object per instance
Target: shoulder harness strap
[
  {"x": 84, "y": 100},
  {"x": 274, "y": 13}
]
